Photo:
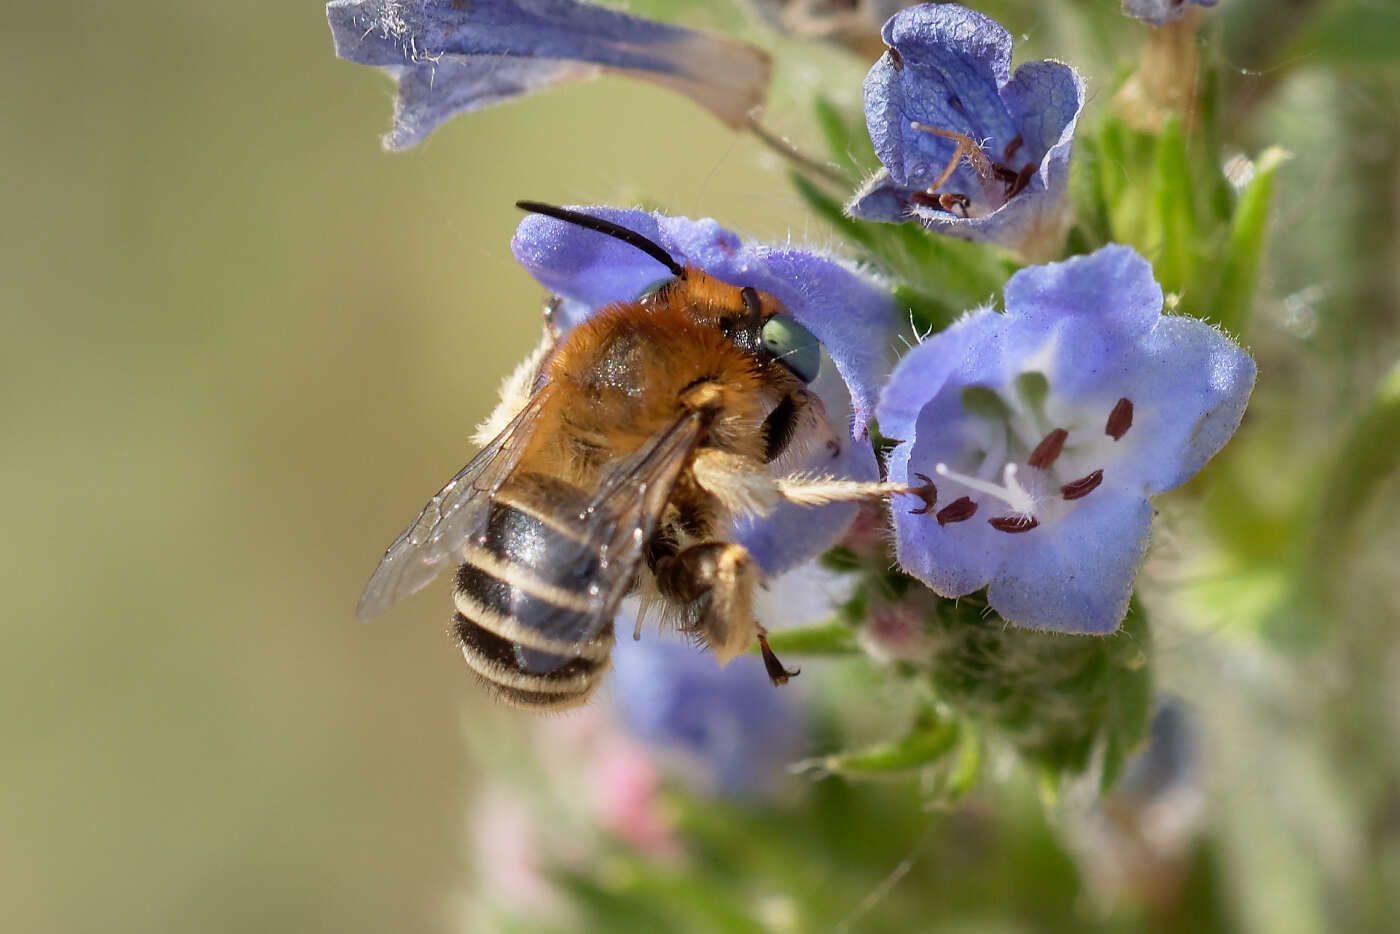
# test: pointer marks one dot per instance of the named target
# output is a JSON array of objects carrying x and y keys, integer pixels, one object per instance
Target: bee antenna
[{"x": 589, "y": 222}]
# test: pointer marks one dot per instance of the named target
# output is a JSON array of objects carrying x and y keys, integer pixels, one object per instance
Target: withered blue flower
[
  {"x": 452, "y": 56},
  {"x": 1161, "y": 12}
]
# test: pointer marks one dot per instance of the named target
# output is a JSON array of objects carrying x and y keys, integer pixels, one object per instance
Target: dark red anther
[
  {"x": 928, "y": 493},
  {"x": 1013, "y": 524},
  {"x": 954, "y": 203},
  {"x": 1004, "y": 173},
  {"x": 1023, "y": 178},
  {"x": 1076, "y": 489},
  {"x": 1009, "y": 152},
  {"x": 1048, "y": 449},
  {"x": 1119, "y": 420},
  {"x": 959, "y": 510},
  {"x": 896, "y": 59}
]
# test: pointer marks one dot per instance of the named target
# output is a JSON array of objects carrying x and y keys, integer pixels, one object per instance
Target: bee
[{"x": 635, "y": 440}]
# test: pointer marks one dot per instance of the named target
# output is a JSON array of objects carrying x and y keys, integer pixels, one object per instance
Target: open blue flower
[
  {"x": 452, "y": 56},
  {"x": 945, "y": 87},
  {"x": 725, "y": 728},
  {"x": 1039, "y": 435},
  {"x": 848, "y": 311},
  {"x": 1160, "y": 12}
]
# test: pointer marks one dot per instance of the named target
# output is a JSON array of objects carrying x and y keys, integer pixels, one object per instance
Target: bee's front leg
[{"x": 713, "y": 583}]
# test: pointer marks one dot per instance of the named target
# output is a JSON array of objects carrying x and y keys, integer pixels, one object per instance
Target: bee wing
[
  {"x": 453, "y": 516},
  {"x": 614, "y": 529}
]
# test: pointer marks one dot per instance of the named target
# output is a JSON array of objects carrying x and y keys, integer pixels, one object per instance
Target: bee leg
[{"x": 713, "y": 582}]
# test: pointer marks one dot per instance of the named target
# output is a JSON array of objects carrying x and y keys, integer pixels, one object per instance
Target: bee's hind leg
[{"x": 713, "y": 582}]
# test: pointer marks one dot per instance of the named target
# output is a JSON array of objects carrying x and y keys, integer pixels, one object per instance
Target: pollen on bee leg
[{"x": 1119, "y": 420}]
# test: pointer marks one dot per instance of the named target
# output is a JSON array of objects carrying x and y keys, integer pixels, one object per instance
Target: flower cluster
[{"x": 1026, "y": 443}]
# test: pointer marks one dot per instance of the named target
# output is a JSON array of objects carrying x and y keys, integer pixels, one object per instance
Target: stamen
[
  {"x": 1023, "y": 178},
  {"x": 928, "y": 493},
  {"x": 896, "y": 59},
  {"x": 1076, "y": 489},
  {"x": 1012, "y": 493},
  {"x": 1119, "y": 420},
  {"x": 1009, "y": 152},
  {"x": 1013, "y": 524},
  {"x": 956, "y": 511},
  {"x": 1048, "y": 449},
  {"x": 954, "y": 203}
]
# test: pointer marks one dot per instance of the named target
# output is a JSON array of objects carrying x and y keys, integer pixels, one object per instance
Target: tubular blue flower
[
  {"x": 948, "y": 71},
  {"x": 1039, "y": 435},
  {"x": 452, "y": 56},
  {"x": 726, "y": 729},
  {"x": 849, "y": 312},
  {"x": 1160, "y": 12}
]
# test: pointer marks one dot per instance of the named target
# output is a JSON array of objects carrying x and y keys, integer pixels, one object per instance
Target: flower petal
[
  {"x": 450, "y": 43},
  {"x": 1113, "y": 285},
  {"x": 947, "y": 67},
  {"x": 1190, "y": 391},
  {"x": 431, "y": 94},
  {"x": 1080, "y": 578},
  {"x": 1160, "y": 12}
]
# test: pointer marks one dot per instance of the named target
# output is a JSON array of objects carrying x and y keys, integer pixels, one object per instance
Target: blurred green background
[{"x": 240, "y": 345}]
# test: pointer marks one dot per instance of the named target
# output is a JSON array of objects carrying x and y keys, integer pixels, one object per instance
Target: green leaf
[
  {"x": 1234, "y": 297},
  {"x": 830, "y": 638},
  {"x": 1173, "y": 226},
  {"x": 841, "y": 143},
  {"x": 930, "y": 738},
  {"x": 1370, "y": 454},
  {"x": 830, "y": 210}
]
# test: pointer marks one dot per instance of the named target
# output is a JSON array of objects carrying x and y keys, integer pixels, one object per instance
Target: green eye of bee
[
  {"x": 653, "y": 288},
  {"x": 794, "y": 346}
]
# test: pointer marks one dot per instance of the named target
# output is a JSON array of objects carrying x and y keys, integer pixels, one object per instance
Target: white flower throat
[{"x": 1032, "y": 485}]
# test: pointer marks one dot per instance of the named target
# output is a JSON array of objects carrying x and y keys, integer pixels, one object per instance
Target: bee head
[{"x": 757, "y": 322}]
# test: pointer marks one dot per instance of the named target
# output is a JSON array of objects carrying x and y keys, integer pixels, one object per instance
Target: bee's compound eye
[
  {"x": 653, "y": 288},
  {"x": 794, "y": 346}
]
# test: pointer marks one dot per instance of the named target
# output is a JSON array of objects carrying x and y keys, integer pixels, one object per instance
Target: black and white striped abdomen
[{"x": 524, "y": 616}]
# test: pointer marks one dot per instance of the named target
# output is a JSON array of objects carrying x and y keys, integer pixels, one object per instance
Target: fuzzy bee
[{"x": 628, "y": 447}]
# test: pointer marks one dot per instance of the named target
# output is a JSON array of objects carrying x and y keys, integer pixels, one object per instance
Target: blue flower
[
  {"x": 945, "y": 86},
  {"x": 1040, "y": 434},
  {"x": 1160, "y": 12},
  {"x": 849, "y": 312},
  {"x": 451, "y": 56},
  {"x": 726, "y": 728}
]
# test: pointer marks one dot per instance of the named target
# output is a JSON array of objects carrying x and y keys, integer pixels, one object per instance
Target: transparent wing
[
  {"x": 454, "y": 515},
  {"x": 617, "y": 524}
]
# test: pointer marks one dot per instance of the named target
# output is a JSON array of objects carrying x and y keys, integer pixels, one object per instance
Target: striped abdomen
[{"x": 524, "y": 618}]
